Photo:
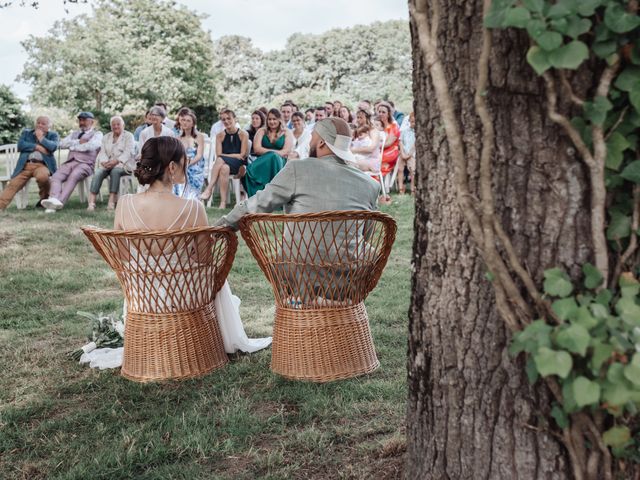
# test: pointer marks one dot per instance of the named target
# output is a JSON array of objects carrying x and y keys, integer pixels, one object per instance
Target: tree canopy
[
  {"x": 12, "y": 119},
  {"x": 124, "y": 56},
  {"x": 365, "y": 61}
]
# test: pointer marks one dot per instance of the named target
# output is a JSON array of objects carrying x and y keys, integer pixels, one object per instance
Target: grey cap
[
  {"x": 337, "y": 135},
  {"x": 86, "y": 115}
]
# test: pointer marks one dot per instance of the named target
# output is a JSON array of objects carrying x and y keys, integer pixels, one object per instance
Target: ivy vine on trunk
[{"x": 580, "y": 335}]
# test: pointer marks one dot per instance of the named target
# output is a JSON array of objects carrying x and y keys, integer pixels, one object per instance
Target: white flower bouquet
[{"x": 105, "y": 331}]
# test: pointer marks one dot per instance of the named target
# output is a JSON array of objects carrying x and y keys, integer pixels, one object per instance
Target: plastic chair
[
  {"x": 8, "y": 159},
  {"x": 321, "y": 267},
  {"x": 169, "y": 280},
  {"x": 378, "y": 175}
]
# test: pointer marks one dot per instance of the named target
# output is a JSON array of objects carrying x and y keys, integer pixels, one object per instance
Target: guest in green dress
[{"x": 273, "y": 144}]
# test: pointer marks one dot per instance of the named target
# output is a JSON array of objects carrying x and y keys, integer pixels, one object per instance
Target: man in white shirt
[
  {"x": 287, "y": 111},
  {"x": 83, "y": 145}
]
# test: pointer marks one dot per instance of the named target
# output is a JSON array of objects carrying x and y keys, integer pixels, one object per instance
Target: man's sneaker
[
  {"x": 52, "y": 204},
  {"x": 49, "y": 210}
]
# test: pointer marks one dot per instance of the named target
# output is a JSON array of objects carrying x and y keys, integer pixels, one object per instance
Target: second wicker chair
[{"x": 321, "y": 267}]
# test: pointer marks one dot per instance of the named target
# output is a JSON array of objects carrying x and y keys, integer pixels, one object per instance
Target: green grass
[{"x": 61, "y": 420}]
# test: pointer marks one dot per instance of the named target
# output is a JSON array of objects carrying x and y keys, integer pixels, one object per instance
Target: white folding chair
[
  {"x": 378, "y": 174},
  {"x": 8, "y": 159}
]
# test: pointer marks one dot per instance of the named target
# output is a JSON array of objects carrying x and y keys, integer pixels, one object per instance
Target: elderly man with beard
[{"x": 36, "y": 147}]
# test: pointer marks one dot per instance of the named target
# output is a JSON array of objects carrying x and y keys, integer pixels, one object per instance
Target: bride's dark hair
[{"x": 157, "y": 153}]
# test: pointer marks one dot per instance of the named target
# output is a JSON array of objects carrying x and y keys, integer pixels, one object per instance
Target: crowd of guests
[{"x": 381, "y": 138}]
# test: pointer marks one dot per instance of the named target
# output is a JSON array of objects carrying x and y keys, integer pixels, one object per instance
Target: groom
[{"x": 323, "y": 182}]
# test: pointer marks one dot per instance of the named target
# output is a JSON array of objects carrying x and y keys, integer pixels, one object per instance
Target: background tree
[
  {"x": 365, "y": 61},
  {"x": 511, "y": 193},
  {"x": 12, "y": 119},
  {"x": 124, "y": 56}
]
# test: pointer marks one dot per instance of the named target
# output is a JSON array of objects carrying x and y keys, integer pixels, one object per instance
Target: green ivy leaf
[
  {"x": 632, "y": 172},
  {"x": 596, "y": 111},
  {"x": 619, "y": 225},
  {"x": 615, "y": 373},
  {"x": 616, "y": 437},
  {"x": 559, "y": 10},
  {"x": 628, "y": 78},
  {"x": 552, "y": 362},
  {"x": 560, "y": 25},
  {"x": 602, "y": 301},
  {"x": 617, "y": 394},
  {"x": 534, "y": 5},
  {"x": 586, "y": 8},
  {"x": 495, "y": 15},
  {"x": 537, "y": 334},
  {"x": 568, "y": 401},
  {"x": 531, "y": 370},
  {"x": 536, "y": 27},
  {"x": 585, "y": 391},
  {"x": 616, "y": 145},
  {"x": 516, "y": 17},
  {"x": 577, "y": 26},
  {"x": 629, "y": 310},
  {"x": 618, "y": 20},
  {"x": 537, "y": 58},
  {"x": 605, "y": 48},
  {"x": 632, "y": 370},
  {"x": 548, "y": 40},
  {"x": 601, "y": 353},
  {"x": 629, "y": 286},
  {"x": 592, "y": 276},
  {"x": 575, "y": 338},
  {"x": 561, "y": 418},
  {"x": 565, "y": 308},
  {"x": 557, "y": 283},
  {"x": 583, "y": 317},
  {"x": 634, "y": 95}
]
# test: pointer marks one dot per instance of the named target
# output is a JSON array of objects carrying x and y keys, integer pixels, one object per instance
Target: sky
[{"x": 267, "y": 22}]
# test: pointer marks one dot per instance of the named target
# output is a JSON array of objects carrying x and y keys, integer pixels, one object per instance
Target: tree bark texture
[{"x": 472, "y": 413}]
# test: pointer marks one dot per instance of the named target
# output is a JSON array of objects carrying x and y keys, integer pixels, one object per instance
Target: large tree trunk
[{"x": 471, "y": 411}]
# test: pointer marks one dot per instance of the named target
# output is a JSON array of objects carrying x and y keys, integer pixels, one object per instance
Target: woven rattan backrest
[
  {"x": 167, "y": 271},
  {"x": 319, "y": 259}
]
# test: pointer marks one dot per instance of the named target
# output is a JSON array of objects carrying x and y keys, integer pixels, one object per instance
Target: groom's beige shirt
[{"x": 311, "y": 185}]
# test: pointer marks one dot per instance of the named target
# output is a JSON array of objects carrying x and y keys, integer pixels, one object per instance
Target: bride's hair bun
[{"x": 157, "y": 153}]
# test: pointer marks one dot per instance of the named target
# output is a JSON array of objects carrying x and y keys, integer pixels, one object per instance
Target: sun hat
[{"x": 337, "y": 135}]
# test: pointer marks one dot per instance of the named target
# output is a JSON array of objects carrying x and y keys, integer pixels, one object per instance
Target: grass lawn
[{"x": 61, "y": 420}]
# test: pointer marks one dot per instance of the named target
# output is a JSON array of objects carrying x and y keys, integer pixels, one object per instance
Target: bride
[{"x": 162, "y": 164}]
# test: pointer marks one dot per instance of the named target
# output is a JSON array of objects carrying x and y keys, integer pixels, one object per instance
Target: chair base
[
  {"x": 322, "y": 345},
  {"x": 164, "y": 346}
]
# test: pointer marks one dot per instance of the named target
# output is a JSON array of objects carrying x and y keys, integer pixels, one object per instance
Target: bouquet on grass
[{"x": 104, "y": 331}]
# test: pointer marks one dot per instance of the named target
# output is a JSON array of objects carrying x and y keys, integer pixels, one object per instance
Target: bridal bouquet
[{"x": 105, "y": 331}]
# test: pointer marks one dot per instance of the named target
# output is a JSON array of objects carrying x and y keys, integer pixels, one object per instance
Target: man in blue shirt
[{"x": 36, "y": 147}]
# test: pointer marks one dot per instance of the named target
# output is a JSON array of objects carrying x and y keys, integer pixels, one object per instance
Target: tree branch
[
  {"x": 567, "y": 86},
  {"x": 618, "y": 122}
]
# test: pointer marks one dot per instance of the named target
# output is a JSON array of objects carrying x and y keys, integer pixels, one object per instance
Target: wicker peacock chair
[
  {"x": 169, "y": 280},
  {"x": 321, "y": 267}
]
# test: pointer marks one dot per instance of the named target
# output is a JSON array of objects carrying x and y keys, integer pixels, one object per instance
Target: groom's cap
[{"x": 337, "y": 135}]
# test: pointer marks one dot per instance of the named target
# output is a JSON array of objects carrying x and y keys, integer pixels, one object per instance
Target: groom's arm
[{"x": 275, "y": 195}]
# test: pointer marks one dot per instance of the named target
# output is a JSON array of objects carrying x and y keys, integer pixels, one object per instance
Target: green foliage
[
  {"x": 12, "y": 119},
  {"x": 365, "y": 61},
  {"x": 592, "y": 352},
  {"x": 124, "y": 56}
]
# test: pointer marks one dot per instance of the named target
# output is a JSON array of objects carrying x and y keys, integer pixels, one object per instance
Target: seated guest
[
  {"x": 364, "y": 105},
  {"x": 116, "y": 155},
  {"x": 337, "y": 105},
  {"x": 309, "y": 115},
  {"x": 36, "y": 147},
  {"x": 273, "y": 144},
  {"x": 345, "y": 114},
  {"x": 407, "y": 155},
  {"x": 328, "y": 107},
  {"x": 145, "y": 124},
  {"x": 193, "y": 143},
  {"x": 232, "y": 146},
  {"x": 398, "y": 116},
  {"x": 258, "y": 120},
  {"x": 156, "y": 129},
  {"x": 167, "y": 122},
  {"x": 391, "y": 150},
  {"x": 83, "y": 145},
  {"x": 286, "y": 110},
  {"x": 319, "y": 113},
  {"x": 366, "y": 143},
  {"x": 301, "y": 137}
]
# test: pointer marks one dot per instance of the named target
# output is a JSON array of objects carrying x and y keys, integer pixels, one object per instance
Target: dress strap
[
  {"x": 132, "y": 211},
  {"x": 179, "y": 214}
]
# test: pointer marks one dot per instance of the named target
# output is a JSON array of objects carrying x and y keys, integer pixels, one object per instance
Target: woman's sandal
[
  {"x": 204, "y": 196},
  {"x": 111, "y": 206},
  {"x": 91, "y": 207}
]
